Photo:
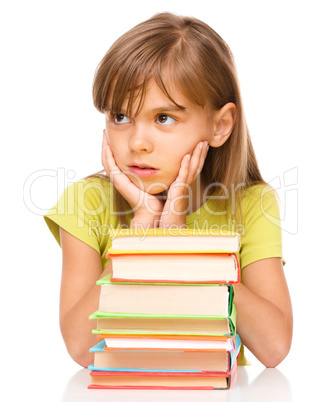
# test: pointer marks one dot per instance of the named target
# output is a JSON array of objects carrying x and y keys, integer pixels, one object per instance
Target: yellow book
[{"x": 160, "y": 240}]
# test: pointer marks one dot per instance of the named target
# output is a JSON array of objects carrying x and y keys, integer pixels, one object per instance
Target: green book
[
  {"x": 159, "y": 324},
  {"x": 166, "y": 299}
]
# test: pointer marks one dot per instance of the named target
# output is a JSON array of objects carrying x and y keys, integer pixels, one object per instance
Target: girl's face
[{"x": 149, "y": 148}]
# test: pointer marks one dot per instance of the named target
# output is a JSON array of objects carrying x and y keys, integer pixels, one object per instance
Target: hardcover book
[
  {"x": 162, "y": 380},
  {"x": 156, "y": 239},
  {"x": 167, "y": 361},
  {"x": 165, "y": 298},
  {"x": 179, "y": 267},
  {"x": 152, "y": 324}
]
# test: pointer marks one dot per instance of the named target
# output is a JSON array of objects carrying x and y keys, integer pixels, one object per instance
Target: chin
[{"x": 155, "y": 189}]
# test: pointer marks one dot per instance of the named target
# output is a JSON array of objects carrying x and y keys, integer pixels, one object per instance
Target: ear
[{"x": 224, "y": 120}]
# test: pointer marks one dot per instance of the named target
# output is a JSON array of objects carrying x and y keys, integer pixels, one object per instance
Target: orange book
[{"x": 174, "y": 267}]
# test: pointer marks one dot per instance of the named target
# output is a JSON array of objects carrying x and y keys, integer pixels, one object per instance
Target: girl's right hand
[{"x": 147, "y": 208}]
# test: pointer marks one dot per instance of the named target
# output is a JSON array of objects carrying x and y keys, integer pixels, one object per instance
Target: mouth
[{"x": 143, "y": 170}]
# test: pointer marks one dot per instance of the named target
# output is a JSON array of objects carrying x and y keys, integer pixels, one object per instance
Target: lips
[{"x": 143, "y": 170}]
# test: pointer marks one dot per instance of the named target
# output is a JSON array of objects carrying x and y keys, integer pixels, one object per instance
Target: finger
[
  {"x": 202, "y": 157},
  {"x": 105, "y": 143},
  {"x": 103, "y": 152},
  {"x": 184, "y": 169},
  {"x": 121, "y": 180},
  {"x": 108, "y": 160},
  {"x": 179, "y": 185},
  {"x": 111, "y": 166},
  {"x": 195, "y": 162},
  {"x": 199, "y": 156},
  {"x": 197, "y": 153}
]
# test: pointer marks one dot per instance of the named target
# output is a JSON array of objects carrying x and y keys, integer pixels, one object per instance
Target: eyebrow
[
  {"x": 170, "y": 108},
  {"x": 165, "y": 108}
]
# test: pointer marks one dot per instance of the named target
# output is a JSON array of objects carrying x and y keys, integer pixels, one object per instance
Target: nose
[{"x": 140, "y": 139}]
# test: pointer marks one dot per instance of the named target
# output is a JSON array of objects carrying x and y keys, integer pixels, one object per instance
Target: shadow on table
[{"x": 269, "y": 385}]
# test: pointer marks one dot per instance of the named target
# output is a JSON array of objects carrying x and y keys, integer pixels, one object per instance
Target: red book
[{"x": 162, "y": 380}]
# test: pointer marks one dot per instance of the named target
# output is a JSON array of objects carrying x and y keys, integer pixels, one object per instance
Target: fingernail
[{"x": 201, "y": 145}]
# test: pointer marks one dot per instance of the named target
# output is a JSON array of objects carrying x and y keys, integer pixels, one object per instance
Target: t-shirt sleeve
[
  {"x": 261, "y": 224},
  {"x": 78, "y": 211}
]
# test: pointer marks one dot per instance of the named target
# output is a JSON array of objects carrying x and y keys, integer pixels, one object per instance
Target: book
[
  {"x": 174, "y": 343},
  {"x": 180, "y": 267},
  {"x": 151, "y": 240},
  {"x": 167, "y": 361},
  {"x": 162, "y": 380},
  {"x": 165, "y": 298},
  {"x": 152, "y": 324}
]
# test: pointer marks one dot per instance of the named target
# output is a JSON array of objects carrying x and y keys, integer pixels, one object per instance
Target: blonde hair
[{"x": 202, "y": 67}]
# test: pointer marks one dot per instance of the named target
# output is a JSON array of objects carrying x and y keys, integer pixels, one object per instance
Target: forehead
[{"x": 155, "y": 92}]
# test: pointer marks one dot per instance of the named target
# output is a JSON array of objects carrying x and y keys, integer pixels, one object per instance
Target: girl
[{"x": 176, "y": 153}]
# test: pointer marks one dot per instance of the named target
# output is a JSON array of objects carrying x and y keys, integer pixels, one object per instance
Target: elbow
[
  {"x": 279, "y": 346},
  {"x": 77, "y": 347},
  {"x": 80, "y": 355},
  {"x": 83, "y": 361},
  {"x": 276, "y": 355},
  {"x": 273, "y": 361}
]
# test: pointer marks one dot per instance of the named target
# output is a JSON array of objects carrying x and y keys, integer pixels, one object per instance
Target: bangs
[{"x": 130, "y": 84}]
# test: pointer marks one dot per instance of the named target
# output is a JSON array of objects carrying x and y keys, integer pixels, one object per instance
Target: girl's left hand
[{"x": 176, "y": 205}]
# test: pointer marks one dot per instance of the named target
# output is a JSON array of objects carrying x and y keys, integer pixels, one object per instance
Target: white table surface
[
  {"x": 52, "y": 376},
  {"x": 267, "y": 385}
]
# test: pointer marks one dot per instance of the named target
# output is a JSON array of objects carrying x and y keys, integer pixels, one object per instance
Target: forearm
[
  {"x": 263, "y": 328},
  {"x": 76, "y": 328}
]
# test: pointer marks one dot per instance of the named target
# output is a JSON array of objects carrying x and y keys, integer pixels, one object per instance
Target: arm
[
  {"x": 264, "y": 313},
  {"x": 79, "y": 296}
]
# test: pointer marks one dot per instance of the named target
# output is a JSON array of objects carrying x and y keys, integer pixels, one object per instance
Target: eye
[
  {"x": 165, "y": 120},
  {"x": 121, "y": 118}
]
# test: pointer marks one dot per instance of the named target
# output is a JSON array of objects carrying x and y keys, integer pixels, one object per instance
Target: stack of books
[{"x": 166, "y": 317}]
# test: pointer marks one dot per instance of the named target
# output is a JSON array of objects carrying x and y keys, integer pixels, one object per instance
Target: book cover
[
  {"x": 169, "y": 343},
  {"x": 163, "y": 361},
  {"x": 162, "y": 380},
  {"x": 176, "y": 240},
  {"x": 165, "y": 298},
  {"x": 160, "y": 324},
  {"x": 175, "y": 267}
]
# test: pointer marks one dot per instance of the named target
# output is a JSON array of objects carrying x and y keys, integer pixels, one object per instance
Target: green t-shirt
[{"x": 86, "y": 210}]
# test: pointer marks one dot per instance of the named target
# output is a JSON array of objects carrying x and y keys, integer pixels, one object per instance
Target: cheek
[
  {"x": 112, "y": 139},
  {"x": 117, "y": 147}
]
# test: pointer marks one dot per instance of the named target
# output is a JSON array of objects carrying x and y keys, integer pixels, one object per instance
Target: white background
[{"x": 51, "y": 135}]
